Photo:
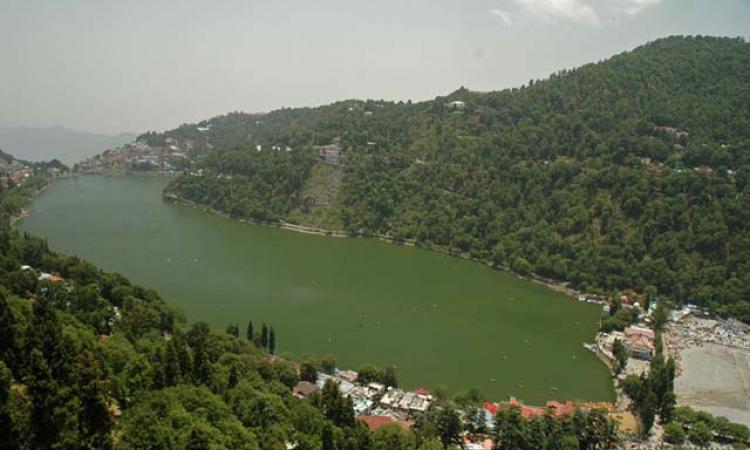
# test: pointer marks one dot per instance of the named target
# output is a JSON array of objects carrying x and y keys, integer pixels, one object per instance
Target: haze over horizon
[{"x": 110, "y": 67}]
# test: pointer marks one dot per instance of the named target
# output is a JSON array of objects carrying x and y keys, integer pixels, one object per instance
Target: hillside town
[
  {"x": 140, "y": 157},
  {"x": 14, "y": 172},
  {"x": 176, "y": 155}
]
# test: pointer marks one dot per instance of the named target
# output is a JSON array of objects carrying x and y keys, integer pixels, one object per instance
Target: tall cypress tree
[
  {"x": 389, "y": 376},
  {"x": 264, "y": 336},
  {"x": 234, "y": 377},
  {"x": 327, "y": 439},
  {"x": 54, "y": 411},
  {"x": 158, "y": 365},
  {"x": 201, "y": 366},
  {"x": 272, "y": 341},
  {"x": 250, "y": 334},
  {"x": 11, "y": 439},
  {"x": 186, "y": 362},
  {"x": 94, "y": 419},
  {"x": 172, "y": 368},
  {"x": 8, "y": 332}
]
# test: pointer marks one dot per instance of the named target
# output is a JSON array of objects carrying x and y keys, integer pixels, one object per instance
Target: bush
[
  {"x": 673, "y": 433},
  {"x": 700, "y": 434}
]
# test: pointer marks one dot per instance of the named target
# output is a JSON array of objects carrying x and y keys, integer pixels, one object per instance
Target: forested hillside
[{"x": 631, "y": 173}]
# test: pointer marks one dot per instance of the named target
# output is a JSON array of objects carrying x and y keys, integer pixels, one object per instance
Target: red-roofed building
[
  {"x": 374, "y": 423},
  {"x": 304, "y": 389},
  {"x": 491, "y": 408},
  {"x": 561, "y": 409},
  {"x": 422, "y": 391},
  {"x": 487, "y": 444},
  {"x": 527, "y": 412},
  {"x": 556, "y": 408},
  {"x": 49, "y": 277}
]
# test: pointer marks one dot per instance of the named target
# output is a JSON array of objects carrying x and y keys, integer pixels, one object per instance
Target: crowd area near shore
[
  {"x": 689, "y": 328},
  {"x": 694, "y": 329},
  {"x": 697, "y": 331}
]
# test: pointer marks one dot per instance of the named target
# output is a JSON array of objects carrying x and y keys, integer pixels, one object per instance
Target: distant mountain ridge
[{"x": 67, "y": 145}]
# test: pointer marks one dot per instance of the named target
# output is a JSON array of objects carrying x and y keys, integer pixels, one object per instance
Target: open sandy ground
[{"x": 716, "y": 379}]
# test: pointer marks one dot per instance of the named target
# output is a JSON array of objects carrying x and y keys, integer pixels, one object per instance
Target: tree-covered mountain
[{"x": 631, "y": 173}]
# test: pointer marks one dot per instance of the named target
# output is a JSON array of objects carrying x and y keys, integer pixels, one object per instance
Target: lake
[{"x": 439, "y": 319}]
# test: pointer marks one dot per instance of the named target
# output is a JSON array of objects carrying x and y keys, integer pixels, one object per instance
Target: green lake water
[{"x": 439, "y": 319}]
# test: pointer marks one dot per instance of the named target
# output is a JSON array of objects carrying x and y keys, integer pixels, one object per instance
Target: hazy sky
[{"x": 111, "y": 66}]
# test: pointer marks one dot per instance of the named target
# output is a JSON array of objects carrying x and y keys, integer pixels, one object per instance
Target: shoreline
[
  {"x": 24, "y": 212},
  {"x": 554, "y": 285}
]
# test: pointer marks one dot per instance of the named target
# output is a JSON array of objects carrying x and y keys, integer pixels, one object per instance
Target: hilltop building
[{"x": 330, "y": 153}]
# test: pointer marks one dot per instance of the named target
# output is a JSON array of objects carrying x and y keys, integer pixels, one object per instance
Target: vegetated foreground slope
[{"x": 629, "y": 173}]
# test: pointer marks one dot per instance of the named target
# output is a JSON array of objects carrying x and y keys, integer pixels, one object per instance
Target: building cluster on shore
[
  {"x": 13, "y": 173},
  {"x": 378, "y": 405},
  {"x": 372, "y": 399},
  {"x": 16, "y": 173},
  {"x": 139, "y": 156}
]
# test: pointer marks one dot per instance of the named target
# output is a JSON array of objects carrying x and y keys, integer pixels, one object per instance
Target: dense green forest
[
  {"x": 631, "y": 173},
  {"x": 89, "y": 360}
]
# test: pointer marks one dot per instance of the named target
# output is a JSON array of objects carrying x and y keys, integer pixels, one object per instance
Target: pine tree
[
  {"x": 201, "y": 367},
  {"x": 94, "y": 419},
  {"x": 53, "y": 416},
  {"x": 647, "y": 411},
  {"x": 234, "y": 330},
  {"x": 621, "y": 355},
  {"x": 308, "y": 372},
  {"x": 234, "y": 377},
  {"x": 11, "y": 438},
  {"x": 197, "y": 440},
  {"x": 172, "y": 365},
  {"x": 158, "y": 365},
  {"x": 389, "y": 377},
  {"x": 272, "y": 341},
  {"x": 510, "y": 429},
  {"x": 327, "y": 438},
  {"x": 186, "y": 363},
  {"x": 449, "y": 427},
  {"x": 8, "y": 333}
]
